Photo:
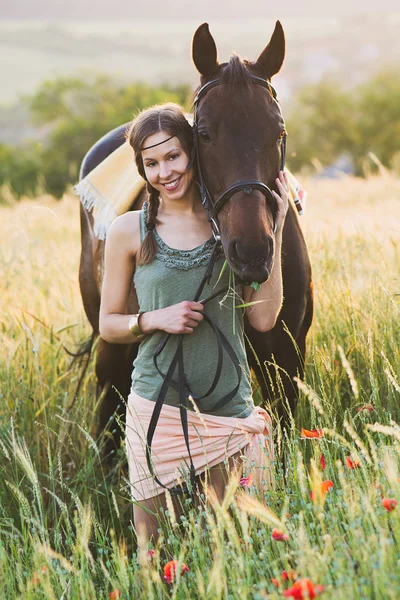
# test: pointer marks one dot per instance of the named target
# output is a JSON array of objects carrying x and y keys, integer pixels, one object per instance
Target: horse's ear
[
  {"x": 273, "y": 55},
  {"x": 204, "y": 51}
]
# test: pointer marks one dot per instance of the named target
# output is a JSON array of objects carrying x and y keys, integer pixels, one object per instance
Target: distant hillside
[{"x": 150, "y": 50}]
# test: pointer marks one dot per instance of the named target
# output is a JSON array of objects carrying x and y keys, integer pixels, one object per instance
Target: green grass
[{"x": 65, "y": 517}]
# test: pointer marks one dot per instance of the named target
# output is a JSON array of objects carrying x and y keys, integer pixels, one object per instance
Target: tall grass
[{"x": 66, "y": 530}]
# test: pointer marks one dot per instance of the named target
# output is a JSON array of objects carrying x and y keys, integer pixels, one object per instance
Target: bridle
[
  {"x": 213, "y": 207},
  {"x": 178, "y": 382}
]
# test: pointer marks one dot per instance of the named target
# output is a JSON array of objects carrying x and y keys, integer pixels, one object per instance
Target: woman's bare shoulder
[{"x": 125, "y": 230}]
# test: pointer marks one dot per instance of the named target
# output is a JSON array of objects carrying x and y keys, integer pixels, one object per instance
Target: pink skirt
[{"x": 212, "y": 440}]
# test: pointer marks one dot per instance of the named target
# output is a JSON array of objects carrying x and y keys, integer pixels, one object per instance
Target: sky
[{"x": 202, "y": 9}]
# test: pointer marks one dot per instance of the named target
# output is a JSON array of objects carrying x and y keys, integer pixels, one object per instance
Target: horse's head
[{"x": 239, "y": 130}]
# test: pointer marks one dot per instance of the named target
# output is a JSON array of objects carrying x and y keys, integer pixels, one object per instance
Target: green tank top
[{"x": 174, "y": 276}]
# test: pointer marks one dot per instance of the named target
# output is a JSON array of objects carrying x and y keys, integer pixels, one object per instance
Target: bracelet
[{"x": 134, "y": 327}]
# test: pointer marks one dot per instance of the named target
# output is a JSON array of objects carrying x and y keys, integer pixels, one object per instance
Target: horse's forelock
[{"x": 236, "y": 72}]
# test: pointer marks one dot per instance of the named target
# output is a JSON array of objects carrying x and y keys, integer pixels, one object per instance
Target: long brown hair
[{"x": 171, "y": 119}]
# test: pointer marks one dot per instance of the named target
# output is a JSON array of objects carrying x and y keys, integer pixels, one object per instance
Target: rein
[{"x": 177, "y": 362}]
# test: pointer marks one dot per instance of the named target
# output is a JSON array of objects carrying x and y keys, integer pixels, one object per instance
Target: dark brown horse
[{"x": 238, "y": 138}]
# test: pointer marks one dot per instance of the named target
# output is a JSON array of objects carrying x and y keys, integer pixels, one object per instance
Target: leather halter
[{"x": 212, "y": 207}]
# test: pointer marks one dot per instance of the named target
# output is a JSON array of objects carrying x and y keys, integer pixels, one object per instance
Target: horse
[{"x": 239, "y": 136}]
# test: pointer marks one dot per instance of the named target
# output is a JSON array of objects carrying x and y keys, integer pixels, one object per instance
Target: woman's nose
[{"x": 165, "y": 170}]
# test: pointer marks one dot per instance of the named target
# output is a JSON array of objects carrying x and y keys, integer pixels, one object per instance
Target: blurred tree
[
  {"x": 20, "y": 168},
  {"x": 79, "y": 112},
  {"x": 378, "y": 116},
  {"x": 321, "y": 125}
]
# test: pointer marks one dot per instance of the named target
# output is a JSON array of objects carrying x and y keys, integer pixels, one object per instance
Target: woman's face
[{"x": 166, "y": 166}]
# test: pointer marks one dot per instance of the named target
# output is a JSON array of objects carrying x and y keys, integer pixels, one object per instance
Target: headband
[{"x": 159, "y": 143}]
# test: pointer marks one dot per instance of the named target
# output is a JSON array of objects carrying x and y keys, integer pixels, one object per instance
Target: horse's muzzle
[{"x": 251, "y": 262}]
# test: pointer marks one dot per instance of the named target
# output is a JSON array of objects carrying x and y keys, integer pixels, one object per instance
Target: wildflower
[
  {"x": 246, "y": 481},
  {"x": 279, "y": 536},
  {"x": 275, "y": 582},
  {"x": 289, "y": 575},
  {"x": 114, "y": 594},
  {"x": 325, "y": 487},
  {"x": 366, "y": 407},
  {"x": 322, "y": 462},
  {"x": 312, "y": 433},
  {"x": 150, "y": 554},
  {"x": 352, "y": 463},
  {"x": 389, "y": 504},
  {"x": 170, "y": 570},
  {"x": 302, "y": 589}
]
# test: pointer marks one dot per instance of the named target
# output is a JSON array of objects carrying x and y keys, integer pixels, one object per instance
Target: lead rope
[{"x": 183, "y": 389}]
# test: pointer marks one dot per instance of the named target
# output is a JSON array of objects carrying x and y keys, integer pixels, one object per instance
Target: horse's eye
[
  {"x": 204, "y": 136},
  {"x": 282, "y": 134}
]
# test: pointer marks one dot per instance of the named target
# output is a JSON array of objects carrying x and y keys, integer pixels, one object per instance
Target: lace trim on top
[{"x": 180, "y": 259}]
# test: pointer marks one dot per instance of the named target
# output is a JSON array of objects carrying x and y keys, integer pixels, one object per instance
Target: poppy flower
[
  {"x": 302, "y": 589},
  {"x": 114, "y": 594},
  {"x": 279, "y": 536},
  {"x": 322, "y": 462},
  {"x": 289, "y": 575},
  {"x": 275, "y": 581},
  {"x": 312, "y": 433},
  {"x": 366, "y": 407},
  {"x": 325, "y": 487},
  {"x": 389, "y": 504},
  {"x": 246, "y": 481},
  {"x": 150, "y": 554},
  {"x": 170, "y": 570},
  {"x": 352, "y": 463}
]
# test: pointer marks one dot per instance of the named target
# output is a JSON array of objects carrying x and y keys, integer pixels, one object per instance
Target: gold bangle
[{"x": 134, "y": 327}]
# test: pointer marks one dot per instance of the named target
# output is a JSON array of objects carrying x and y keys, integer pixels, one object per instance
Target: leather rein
[{"x": 186, "y": 396}]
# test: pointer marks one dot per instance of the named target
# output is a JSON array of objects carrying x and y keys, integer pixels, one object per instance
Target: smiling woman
[{"x": 166, "y": 250}]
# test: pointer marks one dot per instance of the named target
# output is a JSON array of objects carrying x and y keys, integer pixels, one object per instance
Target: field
[{"x": 66, "y": 529}]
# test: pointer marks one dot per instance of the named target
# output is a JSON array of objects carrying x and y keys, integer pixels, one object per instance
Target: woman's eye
[
  {"x": 204, "y": 136},
  {"x": 151, "y": 164},
  {"x": 173, "y": 156}
]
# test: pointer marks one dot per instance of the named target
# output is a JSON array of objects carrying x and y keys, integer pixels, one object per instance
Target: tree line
[{"x": 324, "y": 121}]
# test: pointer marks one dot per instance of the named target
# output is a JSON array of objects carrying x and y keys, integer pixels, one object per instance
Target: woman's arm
[
  {"x": 263, "y": 316},
  {"x": 122, "y": 247}
]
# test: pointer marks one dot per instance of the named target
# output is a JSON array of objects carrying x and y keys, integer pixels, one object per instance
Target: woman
[{"x": 165, "y": 249}]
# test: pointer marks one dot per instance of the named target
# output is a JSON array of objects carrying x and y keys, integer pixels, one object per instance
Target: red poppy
[
  {"x": 389, "y": 504},
  {"x": 366, "y": 407},
  {"x": 114, "y": 594},
  {"x": 312, "y": 433},
  {"x": 352, "y": 463},
  {"x": 325, "y": 487},
  {"x": 289, "y": 575},
  {"x": 150, "y": 554},
  {"x": 246, "y": 481},
  {"x": 170, "y": 570},
  {"x": 279, "y": 536},
  {"x": 275, "y": 582},
  {"x": 322, "y": 462},
  {"x": 302, "y": 589}
]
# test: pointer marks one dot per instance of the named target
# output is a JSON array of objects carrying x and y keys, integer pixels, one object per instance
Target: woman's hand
[
  {"x": 282, "y": 200},
  {"x": 178, "y": 318}
]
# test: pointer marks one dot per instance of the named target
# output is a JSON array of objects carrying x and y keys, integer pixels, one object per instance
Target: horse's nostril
[{"x": 246, "y": 253}]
